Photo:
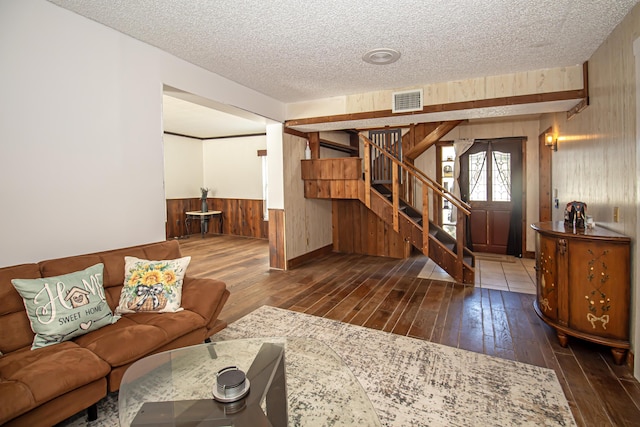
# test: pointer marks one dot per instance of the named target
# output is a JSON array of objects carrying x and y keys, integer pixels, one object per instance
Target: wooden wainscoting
[
  {"x": 175, "y": 216},
  {"x": 277, "y": 254},
  {"x": 241, "y": 217},
  {"x": 357, "y": 229}
]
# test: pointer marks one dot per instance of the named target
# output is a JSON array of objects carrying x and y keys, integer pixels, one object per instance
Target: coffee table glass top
[{"x": 293, "y": 381}]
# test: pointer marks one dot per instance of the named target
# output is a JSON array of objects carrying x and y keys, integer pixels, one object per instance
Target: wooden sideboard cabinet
[{"x": 583, "y": 284}]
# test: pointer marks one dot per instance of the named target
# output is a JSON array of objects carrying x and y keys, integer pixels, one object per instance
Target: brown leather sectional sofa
[{"x": 45, "y": 386}]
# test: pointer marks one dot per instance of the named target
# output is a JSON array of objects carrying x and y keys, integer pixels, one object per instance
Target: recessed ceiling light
[{"x": 381, "y": 56}]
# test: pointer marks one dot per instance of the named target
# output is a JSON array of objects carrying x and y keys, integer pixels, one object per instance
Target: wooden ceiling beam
[
  {"x": 434, "y": 136},
  {"x": 452, "y": 106},
  {"x": 416, "y": 134}
]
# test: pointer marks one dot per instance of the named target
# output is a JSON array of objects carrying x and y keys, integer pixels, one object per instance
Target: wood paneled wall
[
  {"x": 241, "y": 217},
  {"x": 307, "y": 221},
  {"x": 333, "y": 178},
  {"x": 596, "y": 161},
  {"x": 356, "y": 229},
  {"x": 277, "y": 253},
  {"x": 501, "y": 86}
]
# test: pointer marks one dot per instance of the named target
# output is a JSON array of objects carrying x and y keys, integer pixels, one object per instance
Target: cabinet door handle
[{"x": 562, "y": 243}]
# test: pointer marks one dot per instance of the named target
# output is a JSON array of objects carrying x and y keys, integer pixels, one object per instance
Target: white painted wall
[
  {"x": 229, "y": 167},
  {"x": 183, "y": 171},
  {"x": 328, "y": 153},
  {"x": 275, "y": 159},
  {"x": 81, "y": 132},
  {"x": 336, "y": 136},
  {"x": 232, "y": 168}
]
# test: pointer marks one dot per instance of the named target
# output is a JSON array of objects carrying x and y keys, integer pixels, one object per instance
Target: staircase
[{"x": 402, "y": 203}]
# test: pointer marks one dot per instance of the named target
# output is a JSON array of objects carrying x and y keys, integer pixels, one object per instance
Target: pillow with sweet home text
[{"x": 66, "y": 306}]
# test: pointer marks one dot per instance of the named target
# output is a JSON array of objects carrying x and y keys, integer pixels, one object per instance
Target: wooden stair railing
[
  {"x": 419, "y": 138},
  {"x": 400, "y": 192},
  {"x": 342, "y": 178}
]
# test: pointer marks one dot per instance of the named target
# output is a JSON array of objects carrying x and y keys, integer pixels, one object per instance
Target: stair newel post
[
  {"x": 396, "y": 193},
  {"x": 367, "y": 171},
  {"x": 425, "y": 219}
]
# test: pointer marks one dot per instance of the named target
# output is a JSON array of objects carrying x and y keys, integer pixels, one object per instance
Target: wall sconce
[{"x": 551, "y": 141}]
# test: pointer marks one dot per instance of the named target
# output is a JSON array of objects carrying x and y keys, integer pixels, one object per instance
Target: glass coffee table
[{"x": 290, "y": 382}]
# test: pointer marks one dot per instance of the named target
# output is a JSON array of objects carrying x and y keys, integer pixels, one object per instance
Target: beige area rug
[
  {"x": 418, "y": 383},
  {"x": 410, "y": 382}
]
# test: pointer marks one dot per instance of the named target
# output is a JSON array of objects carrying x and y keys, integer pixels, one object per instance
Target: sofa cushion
[
  {"x": 16, "y": 398},
  {"x": 14, "y": 323},
  {"x": 66, "y": 306},
  {"x": 174, "y": 325},
  {"x": 137, "y": 335},
  {"x": 29, "y": 378},
  {"x": 152, "y": 286}
]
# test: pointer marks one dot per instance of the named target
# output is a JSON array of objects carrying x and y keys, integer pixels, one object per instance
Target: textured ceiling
[
  {"x": 188, "y": 118},
  {"x": 295, "y": 50}
]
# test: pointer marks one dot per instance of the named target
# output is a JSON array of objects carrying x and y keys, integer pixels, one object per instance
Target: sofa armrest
[{"x": 205, "y": 297}]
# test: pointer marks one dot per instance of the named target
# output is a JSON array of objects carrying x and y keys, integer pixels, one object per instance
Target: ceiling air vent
[{"x": 408, "y": 100}]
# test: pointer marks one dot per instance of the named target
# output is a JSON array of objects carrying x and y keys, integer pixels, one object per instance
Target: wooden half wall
[
  {"x": 277, "y": 252},
  {"x": 240, "y": 217}
]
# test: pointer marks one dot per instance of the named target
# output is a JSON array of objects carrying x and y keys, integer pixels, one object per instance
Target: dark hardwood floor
[{"x": 386, "y": 294}]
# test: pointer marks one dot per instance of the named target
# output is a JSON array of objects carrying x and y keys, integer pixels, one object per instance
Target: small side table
[{"x": 204, "y": 218}]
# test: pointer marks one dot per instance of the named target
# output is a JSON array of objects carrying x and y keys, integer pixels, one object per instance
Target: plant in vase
[{"x": 203, "y": 199}]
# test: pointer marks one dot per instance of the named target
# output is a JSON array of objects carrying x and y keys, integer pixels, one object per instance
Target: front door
[{"x": 491, "y": 182}]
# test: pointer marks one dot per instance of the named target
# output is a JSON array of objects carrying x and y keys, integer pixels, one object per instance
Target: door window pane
[
  {"x": 501, "y": 174},
  {"x": 478, "y": 177}
]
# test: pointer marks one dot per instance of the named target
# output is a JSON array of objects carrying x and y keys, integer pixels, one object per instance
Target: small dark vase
[{"x": 204, "y": 208}]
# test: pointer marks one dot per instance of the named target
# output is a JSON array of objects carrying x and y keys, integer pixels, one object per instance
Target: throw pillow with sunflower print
[{"x": 152, "y": 286}]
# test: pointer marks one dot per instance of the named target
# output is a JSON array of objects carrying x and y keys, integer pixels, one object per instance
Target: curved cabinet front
[{"x": 583, "y": 284}]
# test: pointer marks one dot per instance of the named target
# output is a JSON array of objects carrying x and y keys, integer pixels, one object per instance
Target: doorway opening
[{"x": 213, "y": 146}]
